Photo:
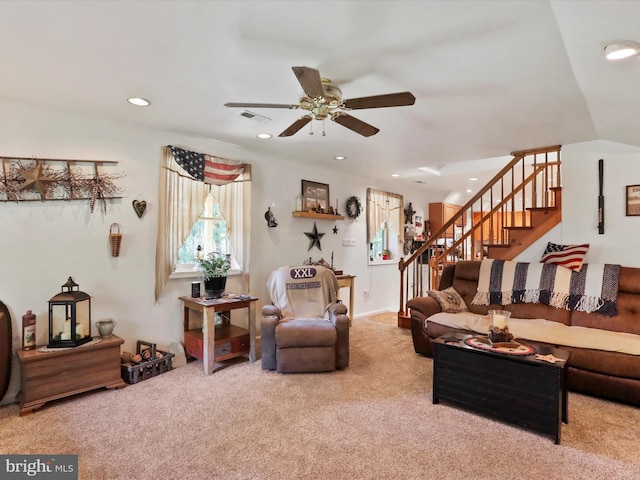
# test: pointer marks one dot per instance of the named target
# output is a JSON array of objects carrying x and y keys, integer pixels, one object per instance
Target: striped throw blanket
[{"x": 593, "y": 289}]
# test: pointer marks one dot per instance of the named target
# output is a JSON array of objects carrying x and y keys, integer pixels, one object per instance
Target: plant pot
[{"x": 214, "y": 287}]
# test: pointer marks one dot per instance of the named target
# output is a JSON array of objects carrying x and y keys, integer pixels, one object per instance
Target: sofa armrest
[
  {"x": 422, "y": 308},
  {"x": 338, "y": 317},
  {"x": 271, "y": 311},
  {"x": 271, "y": 315},
  {"x": 427, "y": 306}
]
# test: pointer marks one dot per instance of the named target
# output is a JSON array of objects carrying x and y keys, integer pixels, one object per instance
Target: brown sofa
[{"x": 605, "y": 374}]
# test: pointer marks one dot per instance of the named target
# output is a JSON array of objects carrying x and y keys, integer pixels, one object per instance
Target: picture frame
[
  {"x": 633, "y": 200},
  {"x": 315, "y": 197}
]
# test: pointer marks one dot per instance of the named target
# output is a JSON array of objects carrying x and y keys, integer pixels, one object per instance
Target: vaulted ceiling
[{"x": 489, "y": 77}]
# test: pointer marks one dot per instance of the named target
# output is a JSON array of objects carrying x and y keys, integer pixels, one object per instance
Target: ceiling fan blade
[
  {"x": 295, "y": 126},
  {"x": 310, "y": 81},
  {"x": 355, "y": 124},
  {"x": 377, "y": 101},
  {"x": 261, "y": 105}
]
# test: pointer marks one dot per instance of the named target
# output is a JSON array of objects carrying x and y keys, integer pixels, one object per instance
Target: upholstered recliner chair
[{"x": 305, "y": 329}]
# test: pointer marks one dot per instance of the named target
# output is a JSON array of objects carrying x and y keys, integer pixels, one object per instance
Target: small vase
[
  {"x": 214, "y": 287},
  {"x": 105, "y": 327}
]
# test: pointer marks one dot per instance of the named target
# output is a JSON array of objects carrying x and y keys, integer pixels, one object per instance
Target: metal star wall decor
[
  {"x": 314, "y": 238},
  {"x": 35, "y": 178},
  {"x": 335, "y": 229}
]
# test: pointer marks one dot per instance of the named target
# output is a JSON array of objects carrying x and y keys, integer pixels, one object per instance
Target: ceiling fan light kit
[{"x": 322, "y": 99}]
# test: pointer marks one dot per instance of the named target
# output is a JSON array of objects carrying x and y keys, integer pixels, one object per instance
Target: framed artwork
[
  {"x": 633, "y": 200},
  {"x": 315, "y": 196}
]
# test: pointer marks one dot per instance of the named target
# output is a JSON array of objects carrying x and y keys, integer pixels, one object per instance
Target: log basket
[{"x": 115, "y": 239}]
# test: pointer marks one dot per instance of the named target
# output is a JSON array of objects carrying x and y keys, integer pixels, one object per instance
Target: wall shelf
[{"x": 319, "y": 216}]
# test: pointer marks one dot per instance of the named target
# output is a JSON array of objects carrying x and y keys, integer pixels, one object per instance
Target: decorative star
[
  {"x": 335, "y": 229},
  {"x": 314, "y": 237},
  {"x": 35, "y": 178},
  {"x": 549, "y": 358}
]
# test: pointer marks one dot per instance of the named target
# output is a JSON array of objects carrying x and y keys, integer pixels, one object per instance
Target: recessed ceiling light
[
  {"x": 619, "y": 49},
  {"x": 263, "y": 135},
  {"x": 340, "y": 157},
  {"x": 395, "y": 174},
  {"x": 139, "y": 101},
  {"x": 468, "y": 190},
  {"x": 473, "y": 179}
]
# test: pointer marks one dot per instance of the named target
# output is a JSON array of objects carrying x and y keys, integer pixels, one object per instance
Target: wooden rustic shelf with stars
[{"x": 24, "y": 179}]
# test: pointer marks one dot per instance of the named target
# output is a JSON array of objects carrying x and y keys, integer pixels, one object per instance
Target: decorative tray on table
[{"x": 510, "y": 348}]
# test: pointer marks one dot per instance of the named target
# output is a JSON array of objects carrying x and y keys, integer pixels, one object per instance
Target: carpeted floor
[
  {"x": 374, "y": 420},
  {"x": 388, "y": 318}
]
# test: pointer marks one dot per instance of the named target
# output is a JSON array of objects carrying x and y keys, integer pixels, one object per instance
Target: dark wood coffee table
[{"x": 520, "y": 390}]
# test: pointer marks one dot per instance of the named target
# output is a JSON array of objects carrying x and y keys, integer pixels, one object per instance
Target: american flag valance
[{"x": 207, "y": 168}]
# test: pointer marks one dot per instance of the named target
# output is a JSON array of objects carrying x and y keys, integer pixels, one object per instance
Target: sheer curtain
[
  {"x": 383, "y": 206},
  {"x": 376, "y": 201},
  {"x": 180, "y": 204}
]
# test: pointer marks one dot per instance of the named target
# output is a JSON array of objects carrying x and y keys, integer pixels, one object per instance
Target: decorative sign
[{"x": 633, "y": 200}]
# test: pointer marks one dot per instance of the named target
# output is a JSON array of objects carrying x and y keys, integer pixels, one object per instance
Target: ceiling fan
[{"x": 323, "y": 99}]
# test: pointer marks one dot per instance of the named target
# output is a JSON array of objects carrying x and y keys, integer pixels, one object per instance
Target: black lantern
[{"x": 69, "y": 317}]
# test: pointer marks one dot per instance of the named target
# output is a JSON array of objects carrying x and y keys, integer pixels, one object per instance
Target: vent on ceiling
[
  {"x": 254, "y": 116},
  {"x": 418, "y": 181}
]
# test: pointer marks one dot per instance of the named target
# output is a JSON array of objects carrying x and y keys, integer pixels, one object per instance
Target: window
[
  {"x": 385, "y": 232},
  {"x": 184, "y": 201},
  {"x": 209, "y": 234}
]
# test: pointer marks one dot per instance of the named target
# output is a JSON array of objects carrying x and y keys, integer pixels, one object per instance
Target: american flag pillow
[{"x": 570, "y": 256}]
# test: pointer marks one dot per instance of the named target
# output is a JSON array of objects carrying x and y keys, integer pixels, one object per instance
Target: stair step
[
  {"x": 530, "y": 227},
  {"x": 541, "y": 209}
]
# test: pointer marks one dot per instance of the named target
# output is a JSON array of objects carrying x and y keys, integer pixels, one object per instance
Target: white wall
[
  {"x": 41, "y": 244},
  {"x": 580, "y": 204}
]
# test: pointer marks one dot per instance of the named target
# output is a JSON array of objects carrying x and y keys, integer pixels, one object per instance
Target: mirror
[{"x": 385, "y": 221}]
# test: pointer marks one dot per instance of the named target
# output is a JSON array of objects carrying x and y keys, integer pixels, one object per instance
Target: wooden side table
[
  {"x": 59, "y": 373},
  {"x": 209, "y": 345},
  {"x": 347, "y": 281}
]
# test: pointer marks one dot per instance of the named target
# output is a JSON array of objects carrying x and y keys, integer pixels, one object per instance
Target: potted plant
[{"x": 214, "y": 268}]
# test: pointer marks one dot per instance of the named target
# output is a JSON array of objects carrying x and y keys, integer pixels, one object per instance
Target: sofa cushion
[
  {"x": 569, "y": 256},
  {"x": 450, "y": 301},
  {"x": 541, "y": 330}
]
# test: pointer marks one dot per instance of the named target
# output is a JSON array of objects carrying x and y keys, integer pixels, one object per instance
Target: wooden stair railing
[{"x": 516, "y": 207}]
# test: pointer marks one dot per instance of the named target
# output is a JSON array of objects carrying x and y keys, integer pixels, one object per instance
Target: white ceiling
[{"x": 489, "y": 77}]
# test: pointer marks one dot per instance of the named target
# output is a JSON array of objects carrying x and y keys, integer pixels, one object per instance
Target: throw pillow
[
  {"x": 570, "y": 256},
  {"x": 450, "y": 301}
]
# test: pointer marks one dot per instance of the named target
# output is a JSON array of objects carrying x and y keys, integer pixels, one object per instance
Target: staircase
[{"x": 515, "y": 208}]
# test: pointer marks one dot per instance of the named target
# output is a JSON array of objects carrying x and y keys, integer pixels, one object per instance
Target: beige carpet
[
  {"x": 374, "y": 420},
  {"x": 388, "y": 318}
]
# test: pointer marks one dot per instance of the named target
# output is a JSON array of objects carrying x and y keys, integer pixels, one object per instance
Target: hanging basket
[{"x": 115, "y": 239}]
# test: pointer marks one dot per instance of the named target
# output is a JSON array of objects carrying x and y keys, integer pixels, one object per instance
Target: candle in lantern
[
  {"x": 66, "y": 331},
  {"x": 499, "y": 321},
  {"x": 80, "y": 330}
]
